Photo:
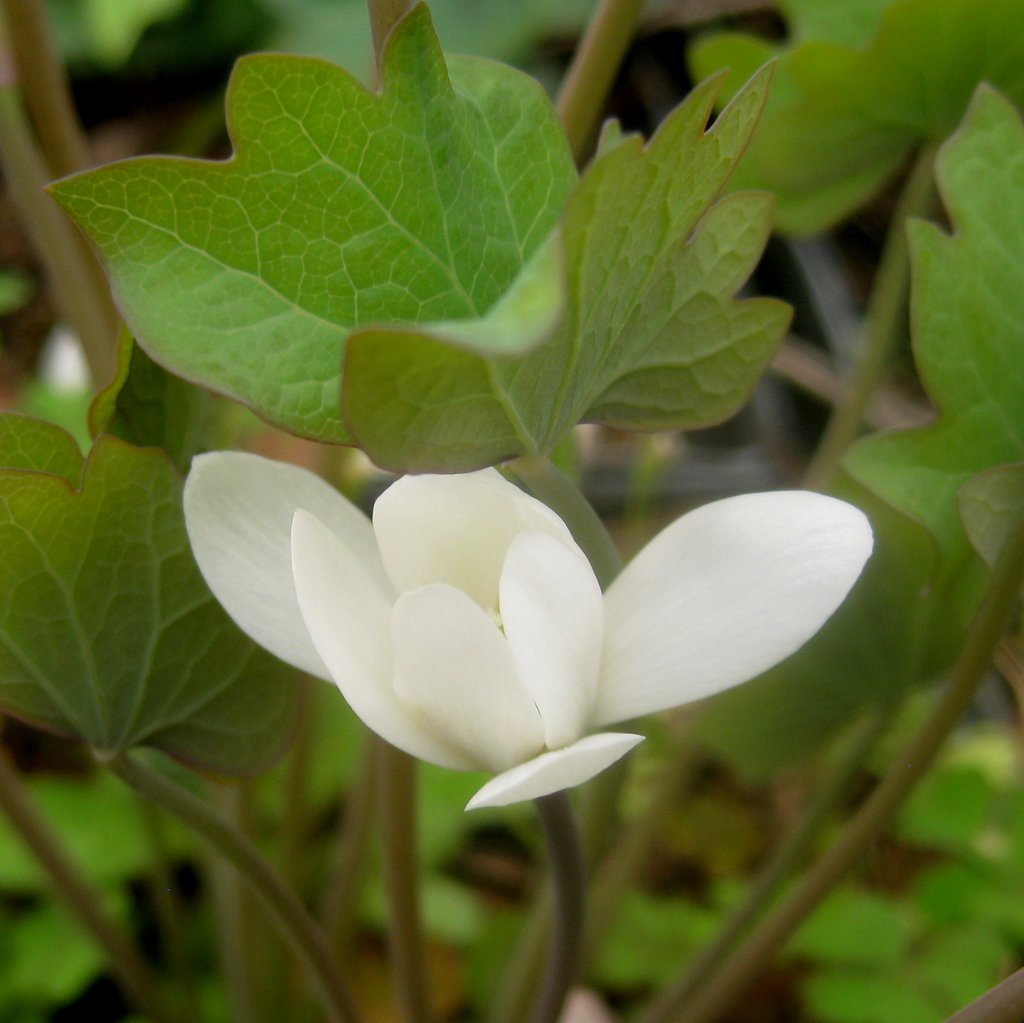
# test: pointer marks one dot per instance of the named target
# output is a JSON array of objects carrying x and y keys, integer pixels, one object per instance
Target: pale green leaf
[
  {"x": 991, "y": 504},
  {"x": 340, "y": 208}
]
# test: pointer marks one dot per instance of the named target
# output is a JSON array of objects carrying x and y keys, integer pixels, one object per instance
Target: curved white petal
[
  {"x": 455, "y": 672},
  {"x": 724, "y": 593},
  {"x": 238, "y": 511},
  {"x": 553, "y": 615},
  {"x": 456, "y": 530},
  {"x": 552, "y": 772},
  {"x": 348, "y": 614}
]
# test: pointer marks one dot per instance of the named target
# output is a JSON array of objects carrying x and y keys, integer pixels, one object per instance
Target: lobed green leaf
[{"x": 107, "y": 631}]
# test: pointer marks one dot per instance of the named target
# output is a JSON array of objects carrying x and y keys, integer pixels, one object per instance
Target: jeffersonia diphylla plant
[
  {"x": 436, "y": 270},
  {"x": 465, "y": 625}
]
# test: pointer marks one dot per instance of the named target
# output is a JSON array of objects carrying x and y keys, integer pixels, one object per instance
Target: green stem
[
  {"x": 351, "y": 851},
  {"x": 397, "y": 794},
  {"x": 383, "y": 16},
  {"x": 547, "y": 484},
  {"x": 79, "y": 288},
  {"x": 305, "y": 936},
  {"x": 168, "y": 910},
  {"x": 733, "y": 978},
  {"x": 785, "y": 859},
  {"x": 568, "y": 873},
  {"x": 45, "y": 87},
  {"x": 884, "y": 323},
  {"x": 1002, "y": 1004},
  {"x": 234, "y": 914},
  {"x": 127, "y": 966},
  {"x": 592, "y": 72}
]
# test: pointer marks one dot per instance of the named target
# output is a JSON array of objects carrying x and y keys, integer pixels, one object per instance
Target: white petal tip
[{"x": 552, "y": 772}]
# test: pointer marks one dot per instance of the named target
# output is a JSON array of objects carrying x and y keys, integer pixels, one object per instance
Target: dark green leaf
[{"x": 108, "y": 632}]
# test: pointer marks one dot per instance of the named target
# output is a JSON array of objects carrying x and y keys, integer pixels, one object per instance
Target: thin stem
[
  {"x": 592, "y": 72},
  {"x": 785, "y": 859},
  {"x": 234, "y": 914},
  {"x": 884, "y": 322},
  {"x": 397, "y": 794},
  {"x": 383, "y": 16},
  {"x": 168, "y": 910},
  {"x": 351, "y": 851},
  {"x": 305, "y": 936},
  {"x": 568, "y": 873},
  {"x": 547, "y": 484},
  {"x": 1002, "y": 1004},
  {"x": 79, "y": 287},
  {"x": 127, "y": 966},
  {"x": 45, "y": 87},
  {"x": 732, "y": 979}
]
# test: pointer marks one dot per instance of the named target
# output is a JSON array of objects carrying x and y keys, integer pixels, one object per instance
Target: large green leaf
[
  {"x": 905, "y": 620},
  {"x": 850, "y": 104},
  {"x": 967, "y": 313},
  {"x": 651, "y": 336},
  {"x": 340, "y": 208},
  {"x": 107, "y": 631}
]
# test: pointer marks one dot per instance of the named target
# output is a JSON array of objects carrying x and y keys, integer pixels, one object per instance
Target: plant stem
[
  {"x": 547, "y": 484},
  {"x": 348, "y": 862},
  {"x": 397, "y": 794},
  {"x": 590, "y": 76},
  {"x": 568, "y": 873},
  {"x": 234, "y": 916},
  {"x": 78, "y": 286},
  {"x": 132, "y": 974},
  {"x": 1002, "y": 1004},
  {"x": 383, "y": 16},
  {"x": 732, "y": 979},
  {"x": 883, "y": 325},
  {"x": 305, "y": 936},
  {"x": 45, "y": 87}
]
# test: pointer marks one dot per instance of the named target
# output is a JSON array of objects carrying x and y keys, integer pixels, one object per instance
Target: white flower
[{"x": 465, "y": 626}]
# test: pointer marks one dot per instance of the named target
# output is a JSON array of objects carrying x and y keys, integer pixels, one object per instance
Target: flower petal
[
  {"x": 348, "y": 614},
  {"x": 455, "y": 671},
  {"x": 456, "y": 530},
  {"x": 724, "y": 593},
  {"x": 553, "y": 615},
  {"x": 238, "y": 510},
  {"x": 552, "y": 772}
]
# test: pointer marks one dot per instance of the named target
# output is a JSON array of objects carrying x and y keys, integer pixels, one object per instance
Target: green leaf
[
  {"x": 967, "y": 313},
  {"x": 948, "y": 809},
  {"x": 340, "y": 208},
  {"x": 650, "y": 338},
  {"x": 852, "y": 996},
  {"x": 991, "y": 503},
  {"x": 107, "y": 631},
  {"x": 147, "y": 406},
  {"x": 847, "y": 110},
  {"x": 836, "y": 932}
]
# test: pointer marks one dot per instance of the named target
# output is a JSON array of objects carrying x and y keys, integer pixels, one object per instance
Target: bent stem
[
  {"x": 397, "y": 792},
  {"x": 863, "y": 828},
  {"x": 568, "y": 874},
  {"x": 304, "y": 935},
  {"x": 592, "y": 71},
  {"x": 886, "y": 313},
  {"x": 132, "y": 974}
]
